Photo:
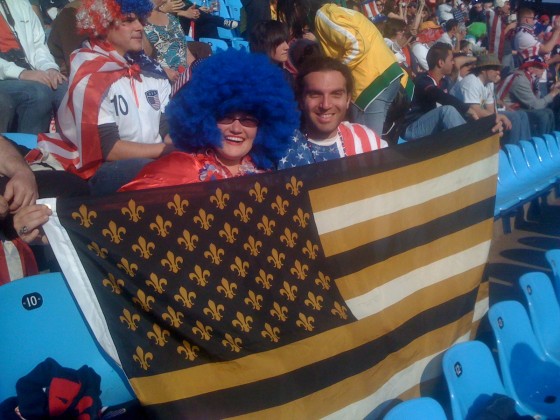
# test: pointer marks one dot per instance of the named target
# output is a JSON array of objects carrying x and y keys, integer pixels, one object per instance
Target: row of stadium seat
[{"x": 526, "y": 172}]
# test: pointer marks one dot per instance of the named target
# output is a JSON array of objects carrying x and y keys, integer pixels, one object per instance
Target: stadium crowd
[{"x": 120, "y": 100}]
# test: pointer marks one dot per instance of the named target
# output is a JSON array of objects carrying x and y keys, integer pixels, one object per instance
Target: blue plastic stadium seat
[
  {"x": 419, "y": 408},
  {"x": 38, "y": 319},
  {"x": 530, "y": 378},
  {"x": 545, "y": 157},
  {"x": 547, "y": 173},
  {"x": 527, "y": 177},
  {"x": 240, "y": 44},
  {"x": 472, "y": 378},
  {"x": 215, "y": 43},
  {"x": 23, "y": 139},
  {"x": 544, "y": 312},
  {"x": 553, "y": 258}
]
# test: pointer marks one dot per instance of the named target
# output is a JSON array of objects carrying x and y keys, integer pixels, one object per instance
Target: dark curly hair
[{"x": 235, "y": 81}]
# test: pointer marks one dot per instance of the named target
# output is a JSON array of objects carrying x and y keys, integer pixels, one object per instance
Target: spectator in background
[
  {"x": 28, "y": 72},
  {"x": 112, "y": 119},
  {"x": 255, "y": 10},
  {"x": 428, "y": 34},
  {"x": 351, "y": 38},
  {"x": 323, "y": 89},
  {"x": 452, "y": 35},
  {"x": 432, "y": 89},
  {"x": 526, "y": 43},
  {"x": 394, "y": 33},
  {"x": 270, "y": 37},
  {"x": 476, "y": 14}
]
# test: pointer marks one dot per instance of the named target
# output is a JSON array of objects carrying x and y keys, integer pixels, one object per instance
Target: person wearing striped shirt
[{"x": 323, "y": 91}]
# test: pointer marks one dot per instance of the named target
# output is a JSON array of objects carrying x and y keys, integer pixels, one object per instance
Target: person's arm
[
  {"x": 21, "y": 189},
  {"x": 444, "y": 98},
  {"x": 549, "y": 45},
  {"x": 523, "y": 93},
  {"x": 123, "y": 149}
]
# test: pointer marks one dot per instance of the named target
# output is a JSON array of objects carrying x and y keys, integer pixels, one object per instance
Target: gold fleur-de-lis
[
  {"x": 156, "y": 283},
  {"x": 288, "y": 238},
  {"x": 199, "y": 275},
  {"x": 310, "y": 249},
  {"x": 173, "y": 317},
  {"x": 229, "y": 233},
  {"x": 264, "y": 279},
  {"x": 294, "y": 185},
  {"x": 301, "y": 218},
  {"x": 276, "y": 258},
  {"x": 280, "y": 205},
  {"x": 254, "y": 300},
  {"x": 142, "y": 358},
  {"x": 185, "y": 297},
  {"x": 115, "y": 284},
  {"x": 339, "y": 311},
  {"x": 314, "y": 301},
  {"x": 161, "y": 226},
  {"x": 323, "y": 280},
  {"x": 178, "y": 205},
  {"x": 128, "y": 267},
  {"x": 234, "y": 344},
  {"x": 205, "y": 219},
  {"x": 305, "y": 322},
  {"x": 299, "y": 270},
  {"x": 281, "y": 312},
  {"x": 158, "y": 334},
  {"x": 143, "y": 300},
  {"x": 220, "y": 199},
  {"x": 133, "y": 211},
  {"x": 214, "y": 311},
  {"x": 172, "y": 261},
  {"x": 239, "y": 266},
  {"x": 288, "y": 291},
  {"x": 227, "y": 288},
  {"x": 266, "y": 225},
  {"x": 270, "y": 332},
  {"x": 258, "y": 192},
  {"x": 100, "y": 252},
  {"x": 85, "y": 216},
  {"x": 242, "y": 322},
  {"x": 114, "y": 233},
  {"x": 130, "y": 319},
  {"x": 189, "y": 350},
  {"x": 188, "y": 241},
  {"x": 243, "y": 212},
  {"x": 252, "y": 246},
  {"x": 143, "y": 247},
  {"x": 204, "y": 331},
  {"x": 214, "y": 254}
]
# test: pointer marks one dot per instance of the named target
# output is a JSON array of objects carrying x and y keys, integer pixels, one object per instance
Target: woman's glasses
[{"x": 244, "y": 121}]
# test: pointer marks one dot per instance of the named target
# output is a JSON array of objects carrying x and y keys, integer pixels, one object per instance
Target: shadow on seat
[
  {"x": 553, "y": 258},
  {"x": 419, "y": 408},
  {"x": 530, "y": 378},
  {"x": 544, "y": 312},
  {"x": 38, "y": 319}
]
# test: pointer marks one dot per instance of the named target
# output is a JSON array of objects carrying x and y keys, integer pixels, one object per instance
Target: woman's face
[
  {"x": 239, "y": 130},
  {"x": 280, "y": 53}
]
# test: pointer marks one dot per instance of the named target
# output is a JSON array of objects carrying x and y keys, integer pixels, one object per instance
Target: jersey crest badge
[{"x": 153, "y": 99}]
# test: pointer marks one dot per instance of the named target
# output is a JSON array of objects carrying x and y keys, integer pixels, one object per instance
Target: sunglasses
[{"x": 244, "y": 121}]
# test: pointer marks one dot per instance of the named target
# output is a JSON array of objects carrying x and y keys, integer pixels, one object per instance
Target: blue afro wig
[{"x": 235, "y": 81}]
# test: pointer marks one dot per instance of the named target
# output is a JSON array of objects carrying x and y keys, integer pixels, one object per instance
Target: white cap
[{"x": 499, "y": 3}]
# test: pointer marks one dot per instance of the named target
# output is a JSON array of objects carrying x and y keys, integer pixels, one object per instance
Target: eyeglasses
[
  {"x": 250, "y": 122},
  {"x": 531, "y": 18}
]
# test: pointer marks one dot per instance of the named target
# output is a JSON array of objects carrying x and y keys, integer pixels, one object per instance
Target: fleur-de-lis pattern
[{"x": 199, "y": 274}]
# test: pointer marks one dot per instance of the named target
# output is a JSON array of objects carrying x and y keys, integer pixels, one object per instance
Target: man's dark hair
[
  {"x": 438, "y": 51},
  {"x": 267, "y": 35},
  {"x": 392, "y": 26},
  {"x": 451, "y": 24},
  {"x": 322, "y": 64}
]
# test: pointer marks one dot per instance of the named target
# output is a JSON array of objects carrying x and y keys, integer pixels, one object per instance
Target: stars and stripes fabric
[
  {"x": 319, "y": 291},
  {"x": 370, "y": 10},
  {"x": 95, "y": 67}
]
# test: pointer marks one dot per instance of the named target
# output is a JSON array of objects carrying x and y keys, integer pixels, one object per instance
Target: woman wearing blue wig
[{"x": 235, "y": 117}]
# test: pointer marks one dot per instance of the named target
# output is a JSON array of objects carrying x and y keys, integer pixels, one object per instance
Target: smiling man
[
  {"x": 323, "y": 90},
  {"x": 112, "y": 119}
]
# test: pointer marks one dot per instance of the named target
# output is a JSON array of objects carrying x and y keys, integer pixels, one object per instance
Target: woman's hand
[
  {"x": 191, "y": 13},
  {"x": 28, "y": 222},
  {"x": 173, "y": 75}
]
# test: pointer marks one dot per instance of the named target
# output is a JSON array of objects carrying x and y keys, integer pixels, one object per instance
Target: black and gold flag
[{"x": 322, "y": 290}]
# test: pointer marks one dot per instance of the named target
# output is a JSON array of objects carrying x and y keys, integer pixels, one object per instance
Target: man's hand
[
  {"x": 191, "y": 13},
  {"x": 4, "y": 208},
  {"x": 21, "y": 190},
  {"x": 472, "y": 113},
  {"x": 56, "y": 78},
  {"x": 505, "y": 121},
  {"x": 36, "y": 76}
]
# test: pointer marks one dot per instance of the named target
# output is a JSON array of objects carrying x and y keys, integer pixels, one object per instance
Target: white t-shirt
[
  {"x": 135, "y": 107},
  {"x": 471, "y": 90}
]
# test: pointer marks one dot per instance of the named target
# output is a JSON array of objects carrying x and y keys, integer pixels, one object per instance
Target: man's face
[
  {"x": 126, "y": 35},
  {"x": 537, "y": 72},
  {"x": 324, "y": 103},
  {"x": 492, "y": 75},
  {"x": 529, "y": 19},
  {"x": 447, "y": 66}
]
